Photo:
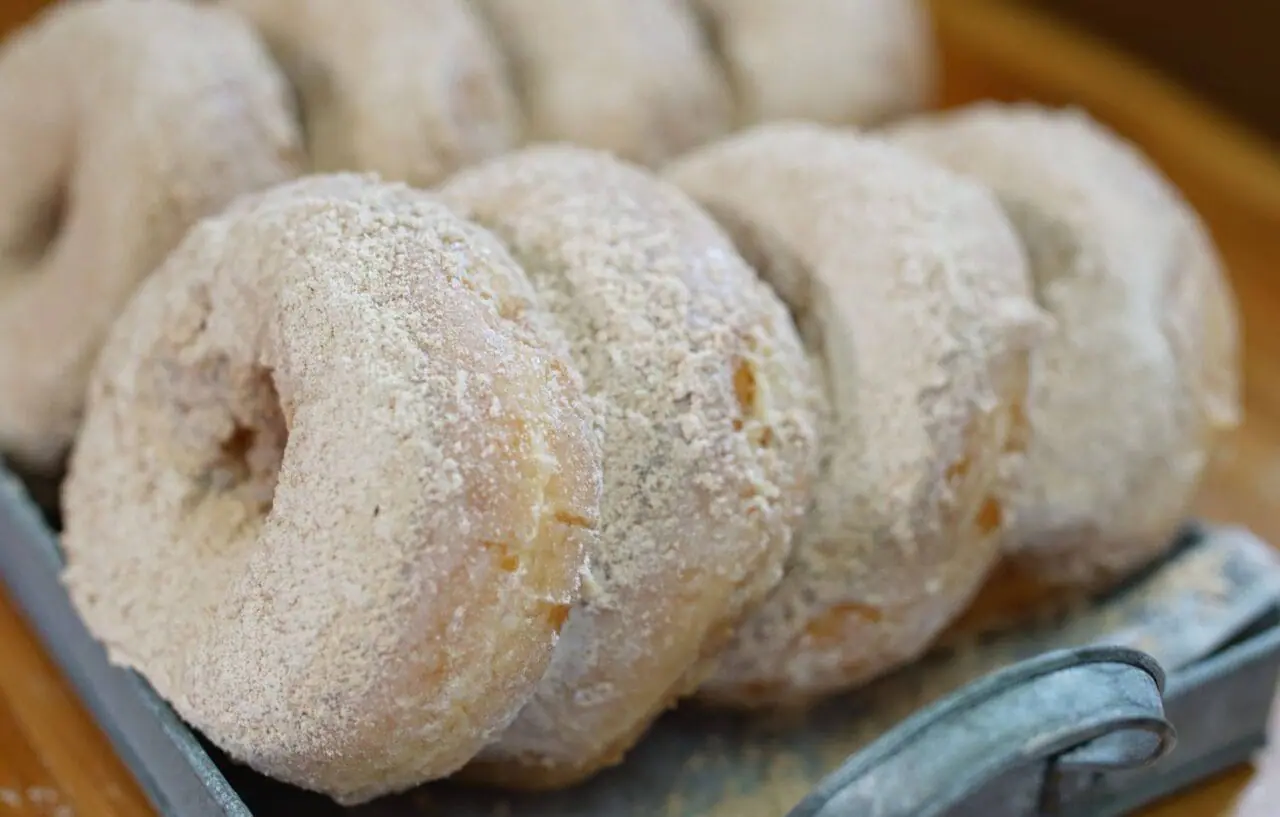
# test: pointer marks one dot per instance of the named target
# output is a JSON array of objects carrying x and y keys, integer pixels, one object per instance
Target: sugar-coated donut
[
  {"x": 628, "y": 76},
  {"x": 121, "y": 123},
  {"x": 334, "y": 487},
  {"x": 832, "y": 61},
  {"x": 708, "y": 410},
  {"x": 1143, "y": 370},
  {"x": 910, "y": 288},
  {"x": 409, "y": 89}
]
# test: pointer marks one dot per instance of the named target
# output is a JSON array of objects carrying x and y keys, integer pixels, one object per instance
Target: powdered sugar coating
[
  {"x": 409, "y": 89},
  {"x": 910, "y": 289},
  {"x": 333, "y": 492},
  {"x": 121, "y": 123},
  {"x": 628, "y": 76},
  {"x": 832, "y": 61},
  {"x": 1143, "y": 371},
  {"x": 707, "y": 409}
]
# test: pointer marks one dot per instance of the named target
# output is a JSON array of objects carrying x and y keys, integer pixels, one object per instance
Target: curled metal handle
[{"x": 1087, "y": 709}]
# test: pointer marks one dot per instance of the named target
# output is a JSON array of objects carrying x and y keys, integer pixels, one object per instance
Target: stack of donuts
[
  {"x": 122, "y": 122},
  {"x": 465, "y": 437}
]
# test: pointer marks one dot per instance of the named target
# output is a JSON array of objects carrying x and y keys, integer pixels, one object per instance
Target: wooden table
[{"x": 54, "y": 762}]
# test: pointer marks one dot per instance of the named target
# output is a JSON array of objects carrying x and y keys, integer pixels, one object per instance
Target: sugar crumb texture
[
  {"x": 1141, "y": 376},
  {"x": 474, "y": 461},
  {"x": 910, "y": 289},
  {"x": 707, "y": 413},
  {"x": 333, "y": 493}
]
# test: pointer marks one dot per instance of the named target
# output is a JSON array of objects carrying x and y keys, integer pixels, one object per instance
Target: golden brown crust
[
  {"x": 334, "y": 488},
  {"x": 122, "y": 122}
]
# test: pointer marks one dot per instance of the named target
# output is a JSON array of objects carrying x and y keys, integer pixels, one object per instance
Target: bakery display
[
  {"x": 840, "y": 62},
  {"x": 594, "y": 363},
  {"x": 911, "y": 290},
  {"x": 1141, "y": 374},
  {"x": 409, "y": 89},
  {"x": 629, "y": 76},
  {"x": 122, "y": 122},
  {"x": 707, "y": 410}
]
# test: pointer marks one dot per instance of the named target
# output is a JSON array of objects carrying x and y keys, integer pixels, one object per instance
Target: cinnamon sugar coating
[
  {"x": 910, "y": 290},
  {"x": 409, "y": 89},
  {"x": 122, "y": 122},
  {"x": 1142, "y": 374},
  {"x": 707, "y": 407},
  {"x": 334, "y": 489}
]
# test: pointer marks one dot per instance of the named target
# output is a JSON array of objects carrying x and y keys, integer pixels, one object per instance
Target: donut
[
  {"x": 335, "y": 486},
  {"x": 911, "y": 292},
  {"x": 1142, "y": 373},
  {"x": 708, "y": 411},
  {"x": 631, "y": 77},
  {"x": 408, "y": 89},
  {"x": 121, "y": 123},
  {"x": 831, "y": 61}
]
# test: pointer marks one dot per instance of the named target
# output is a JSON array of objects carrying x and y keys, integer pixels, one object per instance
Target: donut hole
[
  {"x": 711, "y": 31},
  {"x": 1052, "y": 247},
  {"x": 779, "y": 266},
  {"x": 323, "y": 127},
  {"x": 41, "y": 227},
  {"x": 233, "y": 457},
  {"x": 246, "y": 461}
]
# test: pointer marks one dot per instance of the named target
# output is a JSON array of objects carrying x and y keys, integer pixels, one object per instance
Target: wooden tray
[{"x": 992, "y": 49}]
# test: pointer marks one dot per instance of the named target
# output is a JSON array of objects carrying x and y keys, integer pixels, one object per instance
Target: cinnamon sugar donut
[
  {"x": 628, "y": 76},
  {"x": 707, "y": 406},
  {"x": 833, "y": 61},
  {"x": 910, "y": 290},
  {"x": 334, "y": 487},
  {"x": 1143, "y": 372},
  {"x": 121, "y": 123},
  {"x": 409, "y": 89}
]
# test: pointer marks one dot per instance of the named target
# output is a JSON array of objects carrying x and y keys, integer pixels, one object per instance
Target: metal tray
[{"x": 1135, "y": 696}]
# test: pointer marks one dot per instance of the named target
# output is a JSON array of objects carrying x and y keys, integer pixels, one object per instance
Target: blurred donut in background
[
  {"x": 122, "y": 122},
  {"x": 631, "y": 77},
  {"x": 1142, "y": 373},
  {"x": 852, "y": 62},
  {"x": 408, "y": 89}
]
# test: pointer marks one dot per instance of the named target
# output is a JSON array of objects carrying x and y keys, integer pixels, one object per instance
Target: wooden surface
[
  {"x": 53, "y": 761},
  {"x": 1225, "y": 51}
]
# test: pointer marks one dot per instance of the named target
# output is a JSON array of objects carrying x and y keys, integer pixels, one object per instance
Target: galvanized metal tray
[{"x": 1135, "y": 696}]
